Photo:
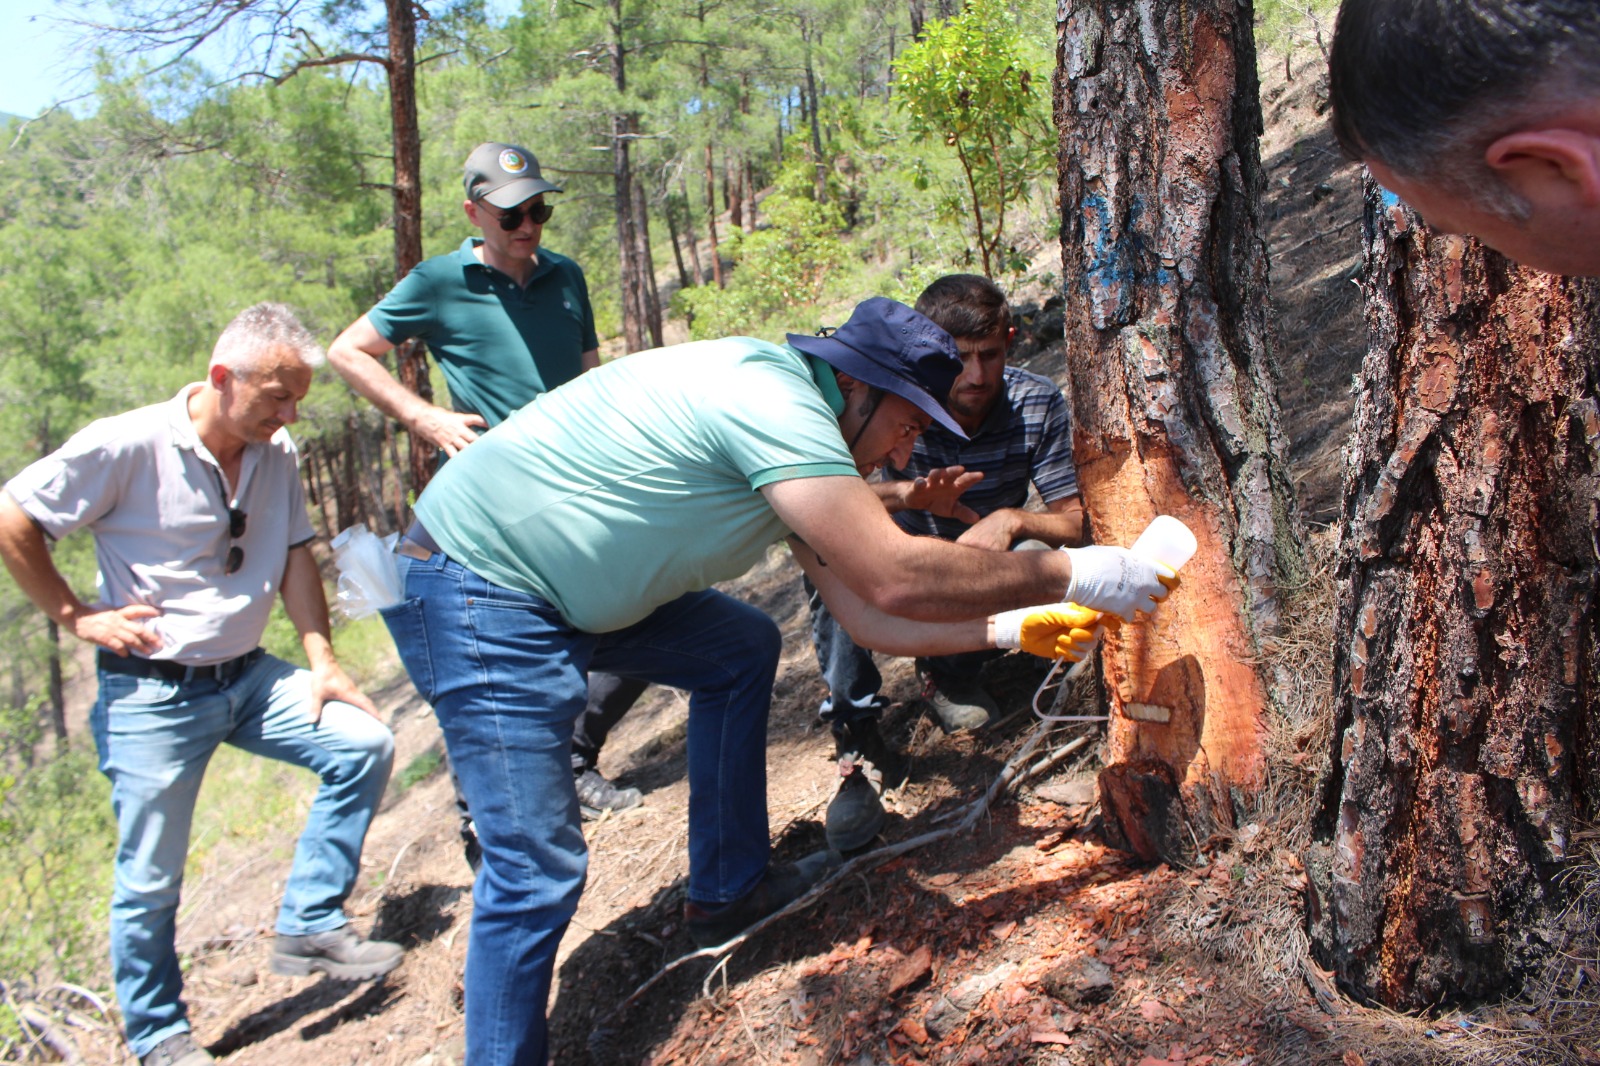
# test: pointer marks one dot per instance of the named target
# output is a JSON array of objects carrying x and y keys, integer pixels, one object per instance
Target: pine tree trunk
[
  {"x": 411, "y": 358},
  {"x": 688, "y": 230},
  {"x": 641, "y": 313},
  {"x": 56, "y": 703},
  {"x": 1173, "y": 402},
  {"x": 1467, "y": 729},
  {"x": 674, "y": 235},
  {"x": 711, "y": 217},
  {"x": 644, "y": 262},
  {"x": 733, "y": 182},
  {"x": 820, "y": 163}
]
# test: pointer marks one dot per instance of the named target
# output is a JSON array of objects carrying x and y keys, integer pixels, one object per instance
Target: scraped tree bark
[
  {"x": 1165, "y": 281},
  {"x": 1467, "y": 730}
]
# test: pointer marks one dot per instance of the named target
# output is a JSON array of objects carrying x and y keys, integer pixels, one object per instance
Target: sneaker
[
  {"x": 179, "y": 1049},
  {"x": 710, "y": 925},
  {"x": 339, "y": 953},
  {"x": 867, "y": 765},
  {"x": 596, "y": 795},
  {"x": 959, "y": 705}
]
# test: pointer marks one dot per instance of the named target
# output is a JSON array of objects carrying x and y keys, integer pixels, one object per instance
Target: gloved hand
[
  {"x": 1051, "y": 631},
  {"x": 1117, "y": 581}
]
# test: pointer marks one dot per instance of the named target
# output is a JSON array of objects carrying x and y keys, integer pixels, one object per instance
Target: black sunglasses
[
  {"x": 512, "y": 219},
  {"x": 236, "y": 521}
]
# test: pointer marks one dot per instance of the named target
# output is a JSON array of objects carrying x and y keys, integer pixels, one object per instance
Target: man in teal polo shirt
[
  {"x": 507, "y": 320},
  {"x": 585, "y": 532}
]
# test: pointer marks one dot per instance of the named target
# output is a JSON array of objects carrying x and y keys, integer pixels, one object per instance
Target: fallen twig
[{"x": 1008, "y": 774}]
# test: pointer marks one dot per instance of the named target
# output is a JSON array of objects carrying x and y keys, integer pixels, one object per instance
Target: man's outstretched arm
[{"x": 931, "y": 580}]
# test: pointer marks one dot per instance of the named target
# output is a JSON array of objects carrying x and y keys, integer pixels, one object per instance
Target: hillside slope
[{"x": 1021, "y": 940}]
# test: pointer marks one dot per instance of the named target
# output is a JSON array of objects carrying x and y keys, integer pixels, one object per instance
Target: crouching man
[
  {"x": 584, "y": 532},
  {"x": 199, "y": 521}
]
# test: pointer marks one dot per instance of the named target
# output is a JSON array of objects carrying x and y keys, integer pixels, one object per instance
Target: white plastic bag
[{"x": 368, "y": 578}]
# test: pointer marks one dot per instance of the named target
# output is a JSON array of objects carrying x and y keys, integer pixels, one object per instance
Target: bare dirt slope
[{"x": 1021, "y": 939}]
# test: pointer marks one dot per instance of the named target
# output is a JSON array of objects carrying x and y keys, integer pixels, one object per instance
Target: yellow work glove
[{"x": 1050, "y": 631}]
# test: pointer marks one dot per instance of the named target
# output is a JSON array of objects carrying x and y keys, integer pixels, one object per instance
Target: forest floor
[{"x": 1016, "y": 937}]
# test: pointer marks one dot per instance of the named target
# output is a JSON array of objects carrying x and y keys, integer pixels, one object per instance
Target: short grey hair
[{"x": 256, "y": 330}]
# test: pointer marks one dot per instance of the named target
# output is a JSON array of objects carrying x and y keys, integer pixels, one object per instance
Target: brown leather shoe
[
  {"x": 179, "y": 1049},
  {"x": 338, "y": 953}
]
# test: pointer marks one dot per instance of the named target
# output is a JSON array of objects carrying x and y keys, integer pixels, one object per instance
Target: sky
[
  {"x": 35, "y": 59},
  {"x": 38, "y": 63}
]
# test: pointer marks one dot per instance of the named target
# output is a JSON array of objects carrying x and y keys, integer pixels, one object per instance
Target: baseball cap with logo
[{"x": 504, "y": 175}]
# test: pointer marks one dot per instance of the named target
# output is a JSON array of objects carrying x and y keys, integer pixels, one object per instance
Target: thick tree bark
[
  {"x": 411, "y": 358},
  {"x": 1467, "y": 729},
  {"x": 1173, "y": 402}
]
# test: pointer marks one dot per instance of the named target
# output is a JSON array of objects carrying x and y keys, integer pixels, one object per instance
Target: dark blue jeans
[{"x": 506, "y": 676}]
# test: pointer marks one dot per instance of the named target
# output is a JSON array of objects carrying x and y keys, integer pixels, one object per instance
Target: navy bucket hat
[{"x": 889, "y": 346}]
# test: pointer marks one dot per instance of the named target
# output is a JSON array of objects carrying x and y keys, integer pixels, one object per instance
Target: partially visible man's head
[
  {"x": 1484, "y": 115},
  {"x": 974, "y": 311},
  {"x": 261, "y": 368}
]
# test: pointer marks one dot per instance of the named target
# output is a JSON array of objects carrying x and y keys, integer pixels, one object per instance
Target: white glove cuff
[{"x": 1008, "y": 627}]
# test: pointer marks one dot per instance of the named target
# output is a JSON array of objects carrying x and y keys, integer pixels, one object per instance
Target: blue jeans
[
  {"x": 852, "y": 677},
  {"x": 155, "y": 738},
  {"x": 506, "y": 676}
]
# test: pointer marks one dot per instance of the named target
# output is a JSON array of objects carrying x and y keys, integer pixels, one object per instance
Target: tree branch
[{"x": 327, "y": 61}]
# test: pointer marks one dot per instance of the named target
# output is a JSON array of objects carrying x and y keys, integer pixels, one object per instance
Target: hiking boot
[
  {"x": 179, "y": 1049},
  {"x": 596, "y": 795},
  {"x": 710, "y": 924},
  {"x": 339, "y": 953},
  {"x": 867, "y": 765},
  {"x": 856, "y": 814},
  {"x": 959, "y": 705}
]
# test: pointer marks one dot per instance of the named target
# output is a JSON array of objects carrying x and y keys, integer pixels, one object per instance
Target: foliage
[
  {"x": 56, "y": 838},
  {"x": 416, "y": 771},
  {"x": 965, "y": 85},
  {"x": 1283, "y": 25},
  {"x": 781, "y": 269},
  {"x": 132, "y": 230}
]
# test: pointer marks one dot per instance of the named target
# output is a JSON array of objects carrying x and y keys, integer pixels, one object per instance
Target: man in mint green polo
[
  {"x": 586, "y": 531},
  {"x": 507, "y": 320}
]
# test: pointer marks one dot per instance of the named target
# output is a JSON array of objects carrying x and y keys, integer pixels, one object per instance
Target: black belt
[
  {"x": 415, "y": 543},
  {"x": 168, "y": 670}
]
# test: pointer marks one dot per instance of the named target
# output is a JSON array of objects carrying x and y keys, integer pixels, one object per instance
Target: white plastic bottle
[{"x": 1165, "y": 540}]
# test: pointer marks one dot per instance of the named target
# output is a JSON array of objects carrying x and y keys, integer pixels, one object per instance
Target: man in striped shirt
[{"x": 970, "y": 491}]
